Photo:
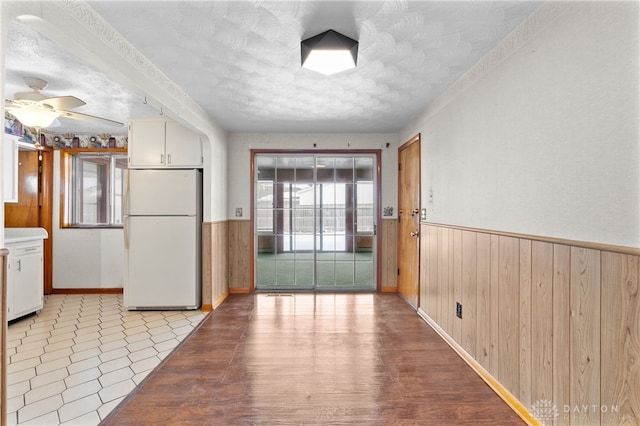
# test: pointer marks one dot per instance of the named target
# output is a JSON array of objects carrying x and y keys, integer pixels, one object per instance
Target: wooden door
[{"x": 409, "y": 220}]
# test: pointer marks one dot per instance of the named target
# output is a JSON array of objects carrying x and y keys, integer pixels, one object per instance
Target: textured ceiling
[{"x": 240, "y": 60}]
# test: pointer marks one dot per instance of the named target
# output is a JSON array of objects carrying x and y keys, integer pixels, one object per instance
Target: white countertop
[{"x": 16, "y": 235}]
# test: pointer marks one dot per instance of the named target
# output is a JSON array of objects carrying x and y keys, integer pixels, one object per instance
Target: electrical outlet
[
  {"x": 459, "y": 309},
  {"x": 238, "y": 211}
]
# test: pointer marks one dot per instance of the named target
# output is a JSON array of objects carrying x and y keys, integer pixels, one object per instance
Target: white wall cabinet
[
  {"x": 163, "y": 144},
  {"x": 25, "y": 278},
  {"x": 10, "y": 168}
]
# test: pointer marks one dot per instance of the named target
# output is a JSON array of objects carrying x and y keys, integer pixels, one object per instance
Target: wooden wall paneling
[
  {"x": 469, "y": 298},
  {"x": 561, "y": 355},
  {"x": 509, "y": 317},
  {"x": 423, "y": 282},
  {"x": 457, "y": 282},
  {"x": 541, "y": 321},
  {"x": 220, "y": 242},
  {"x": 450, "y": 308},
  {"x": 494, "y": 320},
  {"x": 207, "y": 264},
  {"x": 389, "y": 255},
  {"x": 433, "y": 303},
  {"x": 524, "y": 334},
  {"x": 240, "y": 256},
  {"x": 444, "y": 311},
  {"x": 620, "y": 340},
  {"x": 483, "y": 314},
  {"x": 585, "y": 334}
]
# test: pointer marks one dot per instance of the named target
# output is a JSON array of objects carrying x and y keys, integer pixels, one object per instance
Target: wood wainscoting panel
[
  {"x": 585, "y": 333},
  {"x": 494, "y": 355},
  {"x": 483, "y": 314},
  {"x": 561, "y": 329},
  {"x": 469, "y": 298},
  {"x": 389, "y": 255},
  {"x": 215, "y": 263},
  {"x": 620, "y": 340},
  {"x": 541, "y": 321},
  {"x": 240, "y": 266},
  {"x": 425, "y": 266},
  {"x": 207, "y": 265},
  {"x": 554, "y": 322},
  {"x": 433, "y": 302},
  {"x": 456, "y": 274},
  {"x": 524, "y": 333},
  {"x": 445, "y": 288},
  {"x": 509, "y": 317}
]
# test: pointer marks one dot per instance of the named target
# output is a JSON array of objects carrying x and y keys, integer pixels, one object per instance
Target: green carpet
[{"x": 340, "y": 271}]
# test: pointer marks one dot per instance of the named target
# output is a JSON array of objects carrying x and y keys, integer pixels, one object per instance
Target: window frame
[{"x": 67, "y": 196}]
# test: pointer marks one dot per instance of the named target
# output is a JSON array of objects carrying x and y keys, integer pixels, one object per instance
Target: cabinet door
[
  {"x": 10, "y": 167},
  {"x": 27, "y": 283},
  {"x": 146, "y": 144},
  {"x": 184, "y": 148}
]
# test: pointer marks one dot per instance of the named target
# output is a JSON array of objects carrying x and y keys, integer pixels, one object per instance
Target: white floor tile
[
  {"x": 42, "y": 392},
  {"x": 76, "y": 412},
  {"x": 82, "y": 377},
  {"x": 116, "y": 390},
  {"x": 40, "y": 408},
  {"x": 83, "y": 390},
  {"x": 75, "y": 360},
  {"x": 116, "y": 376}
]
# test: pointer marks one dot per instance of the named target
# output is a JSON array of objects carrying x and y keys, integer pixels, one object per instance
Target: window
[{"x": 93, "y": 188}]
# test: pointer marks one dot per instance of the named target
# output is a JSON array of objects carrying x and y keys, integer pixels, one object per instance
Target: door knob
[
  {"x": 414, "y": 212},
  {"x": 415, "y": 234}
]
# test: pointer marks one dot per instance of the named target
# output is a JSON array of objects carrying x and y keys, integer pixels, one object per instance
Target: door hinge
[
  {"x": 375, "y": 229},
  {"x": 398, "y": 219},
  {"x": 399, "y": 167},
  {"x": 398, "y": 271}
]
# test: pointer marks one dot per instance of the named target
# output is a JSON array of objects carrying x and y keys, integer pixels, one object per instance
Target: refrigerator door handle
[
  {"x": 125, "y": 207},
  {"x": 125, "y": 230}
]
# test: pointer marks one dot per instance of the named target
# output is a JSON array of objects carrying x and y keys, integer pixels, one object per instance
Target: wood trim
[
  {"x": 635, "y": 251},
  {"x": 3, "y": 336},
  {"x": 415, "y": 138},
  {"x": 110, "y": 290},
  {"x": 245, "y": 290},
  {"x": 46, "y": 215},
  {"x": 491, "y": 381},
  {"x": 389, "y": 290},
  {"x": 219, "y": 301},
  {"x": 93, "y": 150},
  {"x": 378, "y": 219}
]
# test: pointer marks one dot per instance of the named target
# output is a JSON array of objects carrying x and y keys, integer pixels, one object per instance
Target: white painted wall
[
  {"x": 239, "y": 163},
  {"x": 84, "y": 258},
  {"x": 541, "y": 137}
]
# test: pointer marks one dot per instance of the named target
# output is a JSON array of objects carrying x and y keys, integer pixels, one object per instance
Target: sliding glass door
[{"x": 315, "y": 218}]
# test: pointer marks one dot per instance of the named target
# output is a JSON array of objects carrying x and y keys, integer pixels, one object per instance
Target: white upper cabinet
[
  {"x": 163, "y": 144},
  {"x": 10, "y": 168}
]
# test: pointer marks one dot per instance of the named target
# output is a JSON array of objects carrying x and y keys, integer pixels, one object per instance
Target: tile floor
[{"x": 75, "y": 360}]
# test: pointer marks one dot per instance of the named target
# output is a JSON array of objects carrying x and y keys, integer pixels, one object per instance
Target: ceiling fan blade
[
  {"x": 63, "y": 102},
  {"x": 90, "y": 118}
]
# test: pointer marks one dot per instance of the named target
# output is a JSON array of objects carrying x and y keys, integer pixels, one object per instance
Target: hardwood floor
[{"x": 365, "y": 359}]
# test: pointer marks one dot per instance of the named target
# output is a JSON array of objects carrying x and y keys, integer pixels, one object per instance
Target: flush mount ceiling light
[{"x": 329, "y": 53}]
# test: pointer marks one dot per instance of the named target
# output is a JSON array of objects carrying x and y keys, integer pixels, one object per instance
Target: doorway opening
[{"x": 315, "y": 220}]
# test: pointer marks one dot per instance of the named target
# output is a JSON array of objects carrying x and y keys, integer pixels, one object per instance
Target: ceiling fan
[{"x": 33, "y": 109}]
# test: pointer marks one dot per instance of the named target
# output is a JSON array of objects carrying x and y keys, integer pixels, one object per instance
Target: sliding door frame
[{"x": 378, "y": 219}]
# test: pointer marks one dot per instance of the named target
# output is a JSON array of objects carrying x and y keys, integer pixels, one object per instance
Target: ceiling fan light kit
[
  {"x": 329, "y": 53},
  {"x": 34, "y": 116},
  {"x": 33, "y": 109}
]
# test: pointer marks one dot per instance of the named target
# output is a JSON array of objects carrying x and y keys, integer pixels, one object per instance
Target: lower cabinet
[{"x": 25, "y": 278}]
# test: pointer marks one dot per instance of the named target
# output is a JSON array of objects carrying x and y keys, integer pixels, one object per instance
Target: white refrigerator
[{"x": 162, "y": 232}]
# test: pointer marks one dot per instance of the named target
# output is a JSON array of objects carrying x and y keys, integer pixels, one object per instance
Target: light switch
[
  {"x": 238, "y": 211},
  {"x": 423, "y": 214}
]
